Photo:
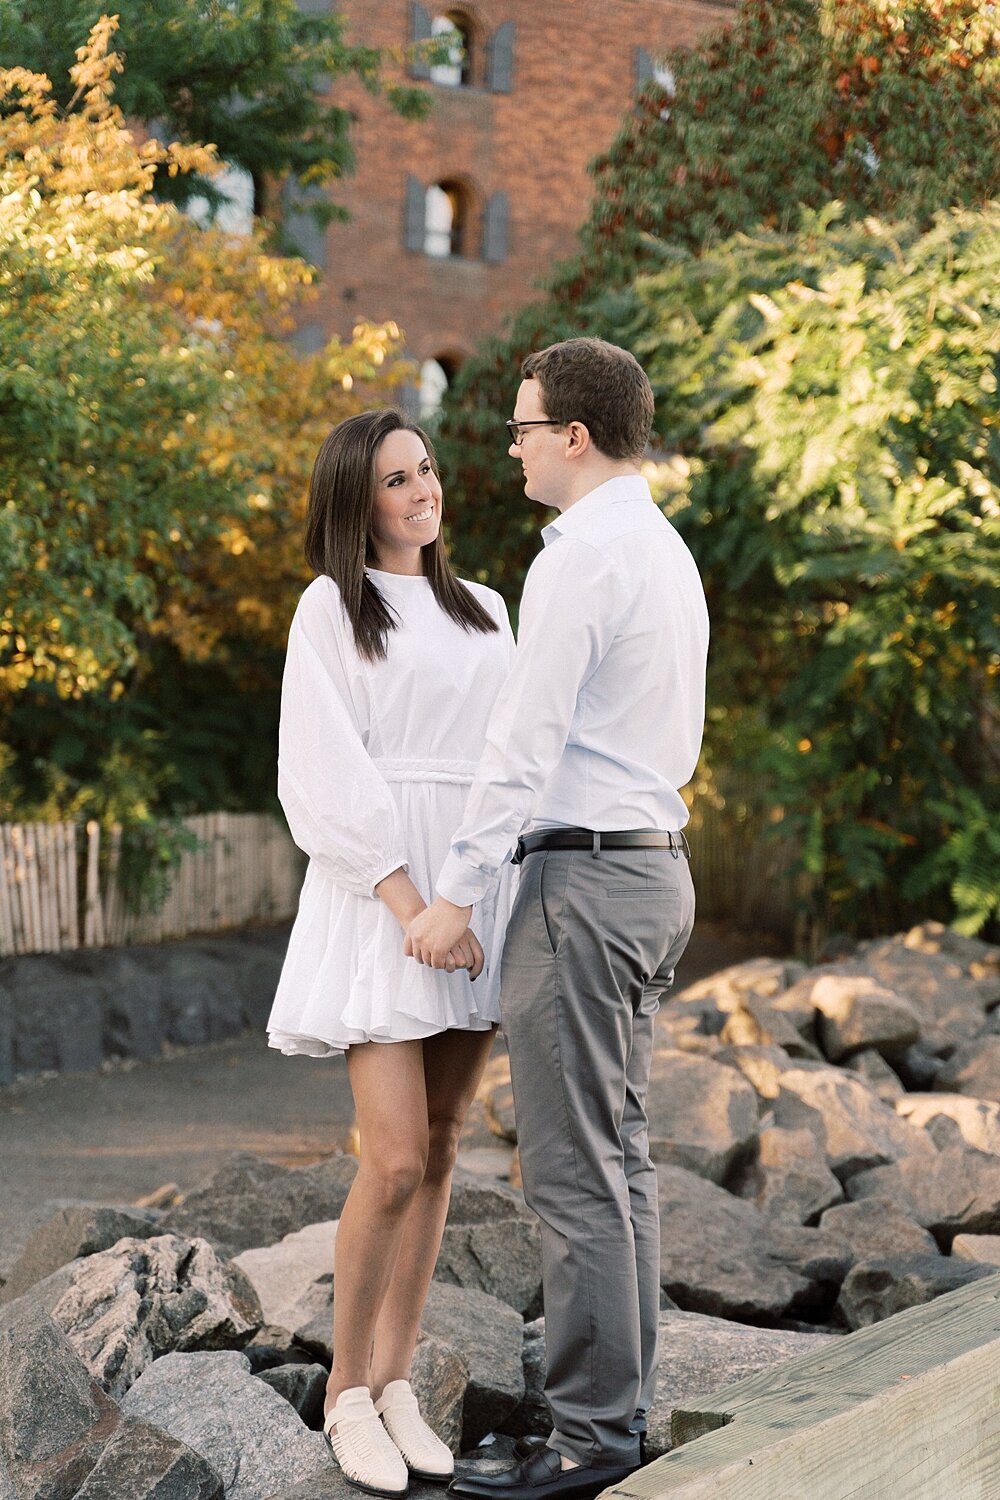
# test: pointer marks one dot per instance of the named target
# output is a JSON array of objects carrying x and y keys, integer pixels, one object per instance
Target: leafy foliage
[
  {"x": 827, "y": 385},
  {"x": 240, "y": 74},
  {"x": 835, "y": 392},
  {"x": 156, "y": 437}
]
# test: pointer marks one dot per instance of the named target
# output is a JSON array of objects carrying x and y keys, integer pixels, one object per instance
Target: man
[{"x": 597, "y": 727}]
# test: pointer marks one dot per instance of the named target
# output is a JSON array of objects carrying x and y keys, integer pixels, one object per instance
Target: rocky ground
[{"x": 828, "y": 1142}]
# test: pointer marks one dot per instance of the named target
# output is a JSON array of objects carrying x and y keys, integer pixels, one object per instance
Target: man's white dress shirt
[{"x": 601, "y": 718}]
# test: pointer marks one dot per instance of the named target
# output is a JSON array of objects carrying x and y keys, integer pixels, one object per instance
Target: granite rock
[
  {"x": 488, "y": 1336},
  {"x": 280, "y": 1273},
  {"x": 250, "y": 1202},
  {"x": 875, "y": 1289},
  {"x": 245, "y": 1430},
  {"x": 71, "y": 1233},
  {"x": 702, "y": 1117}
]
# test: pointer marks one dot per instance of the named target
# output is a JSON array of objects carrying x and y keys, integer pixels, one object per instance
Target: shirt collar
[{"x": 612, "y": 492}]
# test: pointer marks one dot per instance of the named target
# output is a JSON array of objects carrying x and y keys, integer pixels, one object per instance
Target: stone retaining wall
[{"x": 71, "y": 1012}]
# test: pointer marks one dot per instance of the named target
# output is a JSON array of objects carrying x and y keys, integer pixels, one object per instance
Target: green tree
[
  {"x": 855, "y": 648},
  {"x": 834, "y": 395},
  {"x": 156, "y": 437},
  {"x": 239, "y": 74},
  {"x": 888, "y": 106}
]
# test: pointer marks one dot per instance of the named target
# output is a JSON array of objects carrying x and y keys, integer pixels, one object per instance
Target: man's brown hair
[{"x": 600, "y": 385}]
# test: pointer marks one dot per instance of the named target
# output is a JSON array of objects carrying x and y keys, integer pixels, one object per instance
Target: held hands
[
  {"x": 440, "y": 932},
  {"x": 462, "y": 951}
]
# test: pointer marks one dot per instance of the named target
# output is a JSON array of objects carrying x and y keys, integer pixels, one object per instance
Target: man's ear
[{"x": 578, "y": 440}]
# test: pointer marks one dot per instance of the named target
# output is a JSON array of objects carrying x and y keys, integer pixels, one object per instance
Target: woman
[{"x": 392, "y": 668}]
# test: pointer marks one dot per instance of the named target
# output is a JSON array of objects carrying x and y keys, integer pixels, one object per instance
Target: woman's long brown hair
[{"x": 339, "y": 533}]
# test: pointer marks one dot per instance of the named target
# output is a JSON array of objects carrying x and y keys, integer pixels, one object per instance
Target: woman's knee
[
  {"x": 394, "y": 1177},
  {"x": 442, "y": 1149}
]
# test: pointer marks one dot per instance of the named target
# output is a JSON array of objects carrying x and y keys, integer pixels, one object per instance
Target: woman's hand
[{"x": 466, "y": 954}]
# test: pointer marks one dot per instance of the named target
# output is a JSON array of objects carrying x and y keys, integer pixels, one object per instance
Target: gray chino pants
[{"x": 590, "y": 947}]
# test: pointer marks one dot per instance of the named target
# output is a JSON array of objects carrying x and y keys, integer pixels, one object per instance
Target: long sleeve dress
[{"x": 375, "y": 760}]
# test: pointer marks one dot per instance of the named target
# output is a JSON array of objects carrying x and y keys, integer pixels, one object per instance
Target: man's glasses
[{"x": 516, "y": 428}]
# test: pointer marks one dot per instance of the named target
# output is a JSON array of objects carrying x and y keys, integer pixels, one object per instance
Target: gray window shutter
[
  {"x": 420, "y": 31},
  {"x": 500, "y": 59},
  {"x": 495, "y": 229},
  {"x": 299, "y": 225},
  {"x": 644, "y": 67},
  {"x": 414, "y": 214}
]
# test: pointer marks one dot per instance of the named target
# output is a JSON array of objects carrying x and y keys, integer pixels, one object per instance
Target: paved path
[{"x": 118, "y": 1134}]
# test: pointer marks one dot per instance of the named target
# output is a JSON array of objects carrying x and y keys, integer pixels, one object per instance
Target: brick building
[{"x": 455, "y": 217}]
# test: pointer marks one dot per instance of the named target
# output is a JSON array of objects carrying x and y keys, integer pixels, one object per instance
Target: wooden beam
[{"x": 906, "y": 1410}]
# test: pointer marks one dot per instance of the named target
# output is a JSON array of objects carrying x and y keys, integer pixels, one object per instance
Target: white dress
[{"x": 375, "y": 760}]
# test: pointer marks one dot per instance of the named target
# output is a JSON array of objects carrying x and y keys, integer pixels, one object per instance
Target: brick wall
[{"x": 574, "y": 71}]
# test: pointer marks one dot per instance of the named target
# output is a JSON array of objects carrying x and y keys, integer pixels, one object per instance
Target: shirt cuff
[{"x": 460, "y": 884}]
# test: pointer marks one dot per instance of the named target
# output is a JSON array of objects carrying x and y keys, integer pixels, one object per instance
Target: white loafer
[
  {"x": 364, "y": 1450},
  {"x": 425, "y": 1455}
]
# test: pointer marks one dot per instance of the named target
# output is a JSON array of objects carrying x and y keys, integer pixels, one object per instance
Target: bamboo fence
[{"x": 57, "y": 892}]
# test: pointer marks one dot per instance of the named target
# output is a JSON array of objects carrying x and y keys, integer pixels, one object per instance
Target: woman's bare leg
[
  {"x": 387, "y": 1080},
  {"x": 454, "y": 1062}
]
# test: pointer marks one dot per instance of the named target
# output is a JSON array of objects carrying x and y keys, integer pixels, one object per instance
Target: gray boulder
[
  {"x": 488, "y": 1336},
  {"x": 439, "y": 1376},
  {"x": 877, "y": 1226},
  {"x": 124, "y": 1307},
  {"x": 57, "y": 1017},
  {"x": 955, "y": 1191},
  {"x": 721, "y": 1256},
  {"x": 973, "y": 1069},
  {"x": 954, "y": 1119},
  {"x": 877, "y": 1074},
  {"x": 303, "y": 1387},
  {"x": 532, "y": 1417},
  {"x": 856, "y": 1012},
  {"x": 761, "y": 1066},
  {"x": 875, "y": 1289},
  {"x": 702, "y": 1117},
  {"x": 249, "y": 1202},
  {"x": 197, "y": 996},
  {"x": 857, "y": 1131},
  {"x": 984, "y": 1248},
  {"x": 951, "y": 1002},
  {"x": 142, "y": 1463},
  {"x": 699, "y": 1355},
  {"x": 281, "y": 1273},
  {"x": 474, "y": 1201},
  {"x": 500, "y": 1111},
  {"x": 790, "y": 1178},
  {"x": 245, "y": 1430},
  {"x": 759, "y": 1022},
  {"x": 727, "y": 988},
  {"x": 502, "y": 1259},
  {"x": 978, "y": 959},
  {"x": 312, "y": 1320},
  {"x": 84, "y": 1229},
  {"x": 54, "y": 1418}
]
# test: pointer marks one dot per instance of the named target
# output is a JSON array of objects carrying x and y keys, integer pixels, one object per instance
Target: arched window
[
  {"x": 446, "y": 219},
  {"x": 436, "y": 376},
  {"x": 455, "y": 28}
]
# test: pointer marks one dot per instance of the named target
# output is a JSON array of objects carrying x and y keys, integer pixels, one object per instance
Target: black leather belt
[{"x": 594, "y": 842}]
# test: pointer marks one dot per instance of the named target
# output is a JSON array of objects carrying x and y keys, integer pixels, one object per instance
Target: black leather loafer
[{"x": 539, "y": 1477}]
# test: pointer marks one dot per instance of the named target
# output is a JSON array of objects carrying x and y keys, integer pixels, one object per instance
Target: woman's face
[{"x": 407, "y": 513}]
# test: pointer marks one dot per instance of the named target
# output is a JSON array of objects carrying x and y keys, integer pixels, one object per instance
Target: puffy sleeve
[{"x": 339, "y": 809}]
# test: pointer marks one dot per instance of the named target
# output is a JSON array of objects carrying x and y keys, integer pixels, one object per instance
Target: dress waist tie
[{"x": 455, "y": 772}]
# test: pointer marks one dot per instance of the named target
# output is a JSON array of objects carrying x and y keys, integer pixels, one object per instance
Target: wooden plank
[
  {"x": 8, "y": 937},
  {"x": 906, "y": 1410},
  {"x": 93, "y": 907}
]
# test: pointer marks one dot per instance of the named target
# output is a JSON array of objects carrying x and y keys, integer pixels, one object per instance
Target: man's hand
[{"x": 433, "y": 934}]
